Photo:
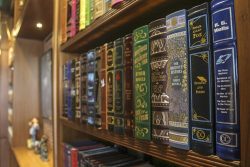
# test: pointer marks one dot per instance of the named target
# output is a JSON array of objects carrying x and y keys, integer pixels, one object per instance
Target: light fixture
[
  {"x": 39, "y": 25},
  {"x": 21, "y": 3}
]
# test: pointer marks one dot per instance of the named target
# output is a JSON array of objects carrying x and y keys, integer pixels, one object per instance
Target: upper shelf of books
[{"x": 117, "y": 22}]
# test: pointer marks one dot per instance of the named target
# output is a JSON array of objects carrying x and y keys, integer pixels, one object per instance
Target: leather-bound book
[
  {"x": 82, "y": 18},
  {"x": 78, "y": 90},
  {"x": 99, "y": 8},
  {"x": 98, "y": 121},
  {"x": 178, "y": 83},
  {"x": 64, "y": 21},
  {"x": 129, "y": 112},
  {"x": 103, "y": 84},
  {"x": 142, "y": 83},
  {"x": 201, "y": 80},
  {"x": 110, "y": 85},
  {"x": 159, "y": 76},
  {"x": 119, "y": 86},
  {"x": 226, "y": 80},
  {"x": 91, "y": 95},
  {"x": 84, "y": 88}
]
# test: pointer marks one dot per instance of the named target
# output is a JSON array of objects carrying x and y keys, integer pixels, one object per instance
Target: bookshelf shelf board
[
  {"x": 179, "y": 157},
  {"x": 119, "y": 22},
  {"x": 27, "y": 158}
]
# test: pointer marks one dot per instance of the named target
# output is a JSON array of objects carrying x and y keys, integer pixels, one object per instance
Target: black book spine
[
  {"x": 78, "y": 90},
  {"x": 201, "y": 78},
  {"x": 84, "y": 88},
  {"x": 65, "y": 89},
  {"x": 159, "y": 94},
  {"x": 98, "y": 121},
  {"x": 110, "y": 85},
  {"x": 119, "y": 87},
  {"x": 129, "y": 112}
]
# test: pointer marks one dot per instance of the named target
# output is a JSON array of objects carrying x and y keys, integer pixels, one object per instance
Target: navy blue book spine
[
  {"x": 226, "y": 80},
  {"x": 201, "y": 80},
  {"x": 91, "y": 98}
]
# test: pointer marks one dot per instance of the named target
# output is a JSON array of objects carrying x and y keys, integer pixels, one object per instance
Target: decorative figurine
[
  {"x": 33, "y": 131},
  {"x": 44, "y": 148}
]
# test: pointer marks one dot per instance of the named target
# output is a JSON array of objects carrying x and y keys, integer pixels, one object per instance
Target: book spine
[
  {"x": 107, "y": 5},
  {"x": 77, "y": 27},
  {"x": 65, "y": 90},
  {"x": 201, "y": 80},
  {"x": 178, "y": 84},
  {"x": 71, "y": 90},
  {"x": 110, "y": 85},
  {"x": 159, "y": 94},
  {"x": 103, "y": 82},
  {"x": 142, "y": 83},
  {"x": 73, "y": 18},
  {"x": 64, "y": 21},
  {"x": 98, "y": 8},
  {"x": 226, "y": 80},
  {"x": 84, "y": 88},
  {"x": 119, "y": 84},
  {"x": 82, "y": 14},
  {"x": 92, "y": 10},
  {"x": 98, "y": 121},
  {"x": 128, "y": 88},
  {"x": 78, "y": 90},
  {"x": 74, "y": 157},
  {"x": 115, "y": 3},
  {"x": 91, "y": 95},
  {"x": 87, "y": 12},
  {"x": 69, "y": 18}
]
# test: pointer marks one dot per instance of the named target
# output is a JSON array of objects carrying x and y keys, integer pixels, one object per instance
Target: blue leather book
[
  {"x": 77, "y": 90},
  {"x": 71, "y": 90},
  {"x": 178, "y": 83},
  {"x": 91, "y": 96},
  {"x": 201, "y": 80},
  {"x": 110, "y": 85},
  {"x": 119, "y": 86},
  {"x": 159, "y": 94},
  {"x": 226, "y": 80},
  {"x": 65, "y": 89}
]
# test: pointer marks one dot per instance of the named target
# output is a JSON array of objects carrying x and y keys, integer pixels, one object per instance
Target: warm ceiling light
[
  {"x": 39, "y": 25},
  {"x": 21, "y": 3}
]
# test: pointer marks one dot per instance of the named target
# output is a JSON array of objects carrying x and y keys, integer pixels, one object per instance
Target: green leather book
[
  {"x": 87, "y": 12},
  {"x": 142, "y": 83}
]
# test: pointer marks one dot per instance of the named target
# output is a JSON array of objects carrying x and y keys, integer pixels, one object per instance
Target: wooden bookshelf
[
  {"x": 117, "y": 23},
  {"x": 27, "y": 158},
  {"x": 177, "y": 156}
]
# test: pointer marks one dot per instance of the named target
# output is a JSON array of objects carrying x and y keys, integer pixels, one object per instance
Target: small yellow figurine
[{"x": 33, "y": 131}]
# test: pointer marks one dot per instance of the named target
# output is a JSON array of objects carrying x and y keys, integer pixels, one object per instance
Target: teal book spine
[{"x": 142, "y": 83}]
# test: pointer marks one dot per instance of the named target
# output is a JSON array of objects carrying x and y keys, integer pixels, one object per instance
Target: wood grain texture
[
  {"x": 242, "y": 12},
  {"x": 4, "y": 153},
  {"x": 176, "y": 156},
  {"x": 26, "y": 87},
  {"x": 4, "y": 70},
  {"x": 27, "y": 158}
]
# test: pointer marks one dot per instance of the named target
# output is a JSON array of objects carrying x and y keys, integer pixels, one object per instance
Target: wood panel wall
[{"x": 26, "y": 87}]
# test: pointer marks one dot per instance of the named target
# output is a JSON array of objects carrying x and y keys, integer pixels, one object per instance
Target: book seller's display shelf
[{"x": 119, "y": 22}]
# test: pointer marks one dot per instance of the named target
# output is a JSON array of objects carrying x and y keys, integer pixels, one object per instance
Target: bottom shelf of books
[{"x": 163, "y": 152}]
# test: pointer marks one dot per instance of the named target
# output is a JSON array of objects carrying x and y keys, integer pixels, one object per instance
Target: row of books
[
  {"x": 92, "y": 153},
  {"x": 78, "y": 14},
  {"x": 173, "y": 81}
]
